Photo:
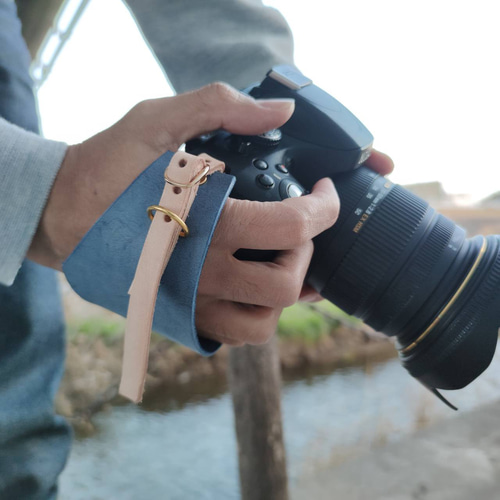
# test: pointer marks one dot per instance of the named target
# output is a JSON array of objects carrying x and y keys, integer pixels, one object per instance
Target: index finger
[
  {"x": 380, "y": 162},
  {"x": 279, "y": 225}
]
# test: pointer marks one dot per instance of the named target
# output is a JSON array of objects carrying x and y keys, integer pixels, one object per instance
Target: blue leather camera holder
[{"x": 102, "y": 266}]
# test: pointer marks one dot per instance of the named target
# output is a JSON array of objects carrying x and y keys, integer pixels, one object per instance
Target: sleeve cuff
[
  {"x": 28, "y": 167},
  {"x": 102, "y": 266}
]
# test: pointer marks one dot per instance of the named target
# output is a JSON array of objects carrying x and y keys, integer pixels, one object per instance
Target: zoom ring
[
  {"x": 380, "y": 242},
  {"x": 406, "y": 293},
  {"x": 351, "y": 187}
]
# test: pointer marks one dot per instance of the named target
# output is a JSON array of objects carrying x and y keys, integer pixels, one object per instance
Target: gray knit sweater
[{"x": 197, "y": 42}]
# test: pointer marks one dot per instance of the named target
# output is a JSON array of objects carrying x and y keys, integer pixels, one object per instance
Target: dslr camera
[{"x": 390, "y": 259}]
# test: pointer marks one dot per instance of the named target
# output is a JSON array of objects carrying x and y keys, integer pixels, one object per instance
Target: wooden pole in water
[{"x": 255, "y": 381}]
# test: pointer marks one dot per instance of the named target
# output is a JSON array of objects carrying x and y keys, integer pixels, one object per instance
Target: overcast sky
[{"x": 423, "y": 76}]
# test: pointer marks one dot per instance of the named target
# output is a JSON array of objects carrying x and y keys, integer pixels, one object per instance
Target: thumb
[{"x": 219, "y": 106}]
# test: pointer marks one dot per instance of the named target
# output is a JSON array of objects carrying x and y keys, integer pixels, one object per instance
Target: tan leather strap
[{"x": 183, "y": 177}]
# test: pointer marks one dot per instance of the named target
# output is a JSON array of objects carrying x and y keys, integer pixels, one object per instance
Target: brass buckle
[
  {"x": 201, "y": 178},
  {"x": 184, "y": 231}
]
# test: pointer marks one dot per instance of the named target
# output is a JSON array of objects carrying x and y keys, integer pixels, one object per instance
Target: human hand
[
  {"x": 239, "y": 301},
  {"x": 95, "y": 172},
  {"x": 237, "y": 307},
  {"x": 250, "y": 296},
  {"x": 380, "y": 162}
]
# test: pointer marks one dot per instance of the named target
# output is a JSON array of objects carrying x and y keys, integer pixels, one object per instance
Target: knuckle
[
  {"x": 221, "y": 92},
  {"x": 260, "y": 325},
  {"x": 142, "y": 107},
  {"x": 230, "y": 340},
  {"x": 246, "y": 292},
  {"x": 289, "y": 291},
  {"x": 234, "y": 342},
  {"x": 300, "y": 227},
  {"x": 309, "y": 248},
  {"x": 330, "y": 209},
  {"x": 261, "y": 335},
  {"x": 334, "y": 212},
  {"x": 155, "y": 131},
  {"x": 224, "y": 336},
  {"x": 137, "y": 112},
  {"x": 223, "y": 228}
]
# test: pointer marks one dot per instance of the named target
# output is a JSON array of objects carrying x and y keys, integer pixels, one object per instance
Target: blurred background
[{"x": 424, "y": 79}]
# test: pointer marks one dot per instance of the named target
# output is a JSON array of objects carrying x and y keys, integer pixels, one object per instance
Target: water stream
[{"x": 185, "y": 449}]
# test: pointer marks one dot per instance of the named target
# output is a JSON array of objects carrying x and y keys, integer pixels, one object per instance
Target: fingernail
[{"x": 276, "y": 103}]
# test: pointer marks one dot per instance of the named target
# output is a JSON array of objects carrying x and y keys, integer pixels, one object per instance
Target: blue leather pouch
[{"x": 102, "y": 266}]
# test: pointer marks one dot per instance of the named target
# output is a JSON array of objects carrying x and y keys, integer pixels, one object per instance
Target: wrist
[{"x": 58, "y": 229}]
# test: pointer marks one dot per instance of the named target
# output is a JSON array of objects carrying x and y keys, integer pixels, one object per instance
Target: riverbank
[
  {"x": 93, "y": 366},
  {"x": 187, "y": 447},
  {"x": 313, "y": 338},
  {"x": 456, "y": 459}
]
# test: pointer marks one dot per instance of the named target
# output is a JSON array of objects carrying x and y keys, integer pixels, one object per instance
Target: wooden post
[{"x": 255, "y": 381}]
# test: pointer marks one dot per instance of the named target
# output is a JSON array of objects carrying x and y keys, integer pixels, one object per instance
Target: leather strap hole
[
  {"x": 177, "y": 190},
  {"x": 167, "y": 218},
  {"x": 182, "y": 163}
]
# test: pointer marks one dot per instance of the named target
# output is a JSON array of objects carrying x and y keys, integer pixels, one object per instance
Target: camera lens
[{"x": 408, "y": 271}]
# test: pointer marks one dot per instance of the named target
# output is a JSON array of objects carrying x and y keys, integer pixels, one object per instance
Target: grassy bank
[
  {"x": 311, "y": 338},
  {"x": 304, "y": 322}
]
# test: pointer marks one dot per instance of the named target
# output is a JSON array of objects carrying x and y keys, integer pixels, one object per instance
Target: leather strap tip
[{"x": 131, "y": 395}]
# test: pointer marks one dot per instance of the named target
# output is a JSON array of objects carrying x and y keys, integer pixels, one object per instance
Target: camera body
[
  {"x": 322, "y": 138},
  {"x": 390, "y": 259}
]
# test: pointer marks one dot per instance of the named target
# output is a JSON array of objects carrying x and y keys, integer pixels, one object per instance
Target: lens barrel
[{"x": 410, "y": 272}]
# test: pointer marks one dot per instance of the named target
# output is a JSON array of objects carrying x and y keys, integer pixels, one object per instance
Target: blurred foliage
[
  {"x": 303, "y": 321},
  {"x": 97, "y": 326},
  {"x": 311, "y": 321}
]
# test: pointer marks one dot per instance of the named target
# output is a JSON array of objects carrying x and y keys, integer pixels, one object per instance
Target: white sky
[{"x": 423, "y": 76}]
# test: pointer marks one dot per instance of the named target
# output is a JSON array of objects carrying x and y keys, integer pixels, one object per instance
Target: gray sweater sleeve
[
  {"x": 28, "y": 167},
  {"x": 201, "y": 41},
  {"x": 196, "y": 42}
]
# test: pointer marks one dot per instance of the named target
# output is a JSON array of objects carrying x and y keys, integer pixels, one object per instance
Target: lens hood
[{"x": 462, "y": 346}]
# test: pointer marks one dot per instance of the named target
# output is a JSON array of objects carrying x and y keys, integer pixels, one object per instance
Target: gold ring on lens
[
  {"x": 184, "y": 231},
  {"x": 451, "y": 301}
]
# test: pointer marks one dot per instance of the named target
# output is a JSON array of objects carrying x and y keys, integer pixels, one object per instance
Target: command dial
[{"x": 267, "y": 139}]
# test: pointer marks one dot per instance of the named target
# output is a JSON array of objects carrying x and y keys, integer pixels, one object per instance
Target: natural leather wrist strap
[{"x": 183, "y": 177}]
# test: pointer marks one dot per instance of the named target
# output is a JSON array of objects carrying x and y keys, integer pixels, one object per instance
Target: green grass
[
  {"x": 97, "y": 326},
  {"x": 310, "y": 322},
  {"x": 300, "y": 322}
]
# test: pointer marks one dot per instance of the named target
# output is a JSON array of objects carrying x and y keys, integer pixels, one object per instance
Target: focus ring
[
  {"x": 351, "y": 187},
  {"x": 380, "y": 242},
  {"x": 404, "y": 296}
]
